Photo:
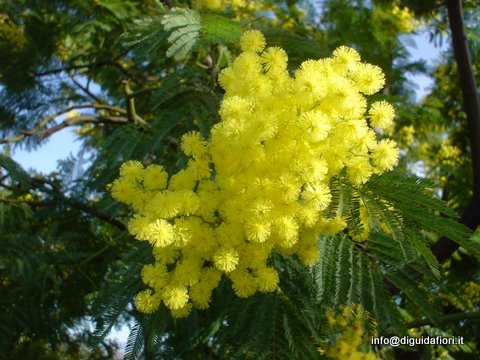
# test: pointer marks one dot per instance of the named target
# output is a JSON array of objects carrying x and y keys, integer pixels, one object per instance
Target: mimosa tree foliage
[{"x": 254, "y": 145}]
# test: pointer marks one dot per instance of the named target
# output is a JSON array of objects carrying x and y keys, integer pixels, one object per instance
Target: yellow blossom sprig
[
  {"x": 350, "y": 324},
  {"x": 406, "y": 20},
  {"x": 260, "y": 182},
  {"x": 220, "y": 5}
]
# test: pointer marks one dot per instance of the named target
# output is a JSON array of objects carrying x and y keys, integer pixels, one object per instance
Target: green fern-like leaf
[
  {"x": 281, "y": 325},
  {"x": 135, "y": 343},
  {"x": 413, "y": 199},
  {"x": 218, "y": 29},
  {"x": 407, "y": 279},
  {"x": 418, "y": 243},
  {"x": 346, "y": 275},
  {"x": 114, "y": 298},
  {"x": 184, "y": 27},
  {"x": 15, "y": 171},
  {"x": 410, "y": 191},
  {"x": 435, "y": 331},
  {"x": 147, "y": 33},
  {"x": 121, "y": 9}
]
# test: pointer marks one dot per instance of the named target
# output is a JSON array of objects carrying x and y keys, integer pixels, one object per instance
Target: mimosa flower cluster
[
  {"x": 220, "y": 5},
  {"x": 406, "y": 21},
  {"x": 351, "y": 344},
  {"x": 260, "y": 182}
]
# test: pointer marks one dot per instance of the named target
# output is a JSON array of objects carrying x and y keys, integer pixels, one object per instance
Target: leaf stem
[{"x": 445, "y": 319}]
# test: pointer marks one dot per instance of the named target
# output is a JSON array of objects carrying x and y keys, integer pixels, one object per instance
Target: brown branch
[
  {"x": 445, "y": 319},
  {"x": 142, "y": 91},
  {"x": 444, "y": 247},
  {"x": 81, "y": 119},
  {"x": 75, "y": 107},
  {"x": 54, "y": 189},
  {"x": 94, "y": 255},
  {"x": 130, "y": 101},
  {"x": 95, "y": 213},
  {"x": 131, "y": 113},
  {"x": 86, "y": 90},
  {"x": 77, "y": 120},
  {"x": 168, "y": 3},
  {"x": 91, "y": 66}
]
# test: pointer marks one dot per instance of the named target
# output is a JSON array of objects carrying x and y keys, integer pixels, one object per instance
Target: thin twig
[
  {"x": 76, "y": 120},
  {"x": 82, "y": 119},
  {"x": 86, "y": 90},
  {"x": 131, "y": 113},
  {"x": 123, "y": 69},
  {"x": 52, "y": 188},
  {"x": 94, "y": 255},
  {"x": 445, "y": 319},
  {"x": 142, "y": 91},
  {"x": 75, "y": 107}
]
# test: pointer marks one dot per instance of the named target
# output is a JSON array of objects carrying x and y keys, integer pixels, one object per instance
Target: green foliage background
[{"x": 138, "y": 75}]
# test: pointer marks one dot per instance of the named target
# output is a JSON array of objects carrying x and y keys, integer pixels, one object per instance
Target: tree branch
[
  {"x": 168, "y": 3},
  {"x": 76, "y": 120},
  {"x": 445, "y": 319},
  {"x": 53, "y": 189},
  {"x": 444, "y": 247},
  {"x": 86, "y": 90},
  {"x": 131, "y": 113},
  {"x": 95, "y": 213},
  {"x": 142, "y": 91},
  {"x": 123, "y": 69},
  {"x": 75, "y": 107}
]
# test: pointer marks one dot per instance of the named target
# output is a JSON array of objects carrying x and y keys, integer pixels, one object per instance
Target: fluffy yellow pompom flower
[
  {"x": 368, "y": 78},
  {"x": 406, "y": 21},
  {"x": 286, "y": 230},
  {"x": 350, "y": 324},
  {"x": 201, "y": 293},
  {"x": 385, "y": 155},
  {"x": 252, "y": 41},
  {"x": 132, "y": 169},
  {"x": 155, "y": 178},
  {"x": 226, "y": 259},
  {"x": 160, "y": 233},
  {"x": 260, "y": 182},
  {"x": 182, "y": 312},
  {"x": 155, "y": 274},
  {"x": 257, "y": 231},
  {"x": 274, "y": 59},
  {"x": 244, "y": 284},
  {"x": 219, "y": 5},
  {"x": 193, "y": 144},
  {"x": 147, "y": 302},
  {"x": 267, "y": 279},
  {"x": 345, "y": 59},
  {"x": 381, "y": 114},
  {"x": 175, "y": 297},
  {"x": 359, "y": 170},
  {"x": 236, "y": 108},
  {"x": 309, "y": 255}
]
